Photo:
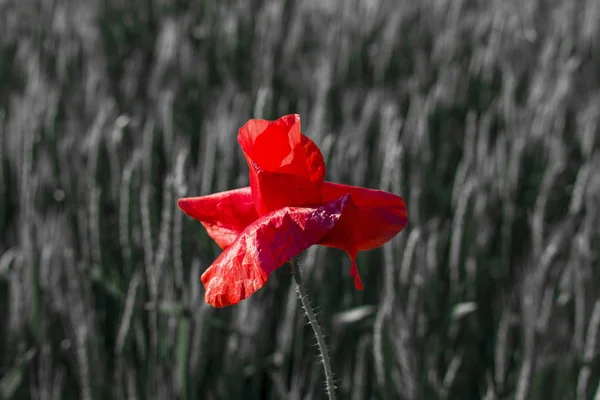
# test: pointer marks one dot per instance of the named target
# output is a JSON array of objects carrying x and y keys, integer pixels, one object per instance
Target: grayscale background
[{"x": 483, "y": 115}]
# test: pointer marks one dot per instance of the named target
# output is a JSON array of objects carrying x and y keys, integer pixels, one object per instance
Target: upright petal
[
  {"x": 286, "y": 167},
  {"x": 264, "y": 246},
  {"x": 224, "y": 215},
  {"x": 273, "y": 144},
  {"x": 372, "y": 218},
  {"x": 314, "y": 163},
  {"x": 272, "y": 190}
]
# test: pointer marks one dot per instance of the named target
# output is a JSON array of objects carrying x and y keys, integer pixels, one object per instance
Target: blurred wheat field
[{"x": 483, "y": 115}]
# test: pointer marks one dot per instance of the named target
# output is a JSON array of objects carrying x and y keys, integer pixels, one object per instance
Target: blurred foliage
[{"x": 484, "y": 116}]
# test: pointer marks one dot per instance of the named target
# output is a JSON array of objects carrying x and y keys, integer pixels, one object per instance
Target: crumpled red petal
[
  {"x": 373, "y": 218},
  {"x": 224, "y": 215},
  {"x": 286, "y": 167},
  {"x": 264, "y": 246}
]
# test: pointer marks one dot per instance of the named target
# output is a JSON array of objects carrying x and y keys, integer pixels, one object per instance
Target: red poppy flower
[{"x": 287, "y": 208}]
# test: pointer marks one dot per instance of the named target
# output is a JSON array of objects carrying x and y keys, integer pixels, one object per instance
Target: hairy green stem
[{"x": 316, "y": 328}]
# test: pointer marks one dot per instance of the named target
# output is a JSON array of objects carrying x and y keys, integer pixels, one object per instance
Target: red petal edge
[
  {"x": 372, "y": 219},
  {"x": 264, "y": 246},
  {"x": 224, "y": 215},
  {"x": 378, "y": 216},
  {"x": 279, "y": 146},
  {"x": 315, "y": 165},
  {"x": 271, "y": 144},
  {"x": 286, "y": 168}
]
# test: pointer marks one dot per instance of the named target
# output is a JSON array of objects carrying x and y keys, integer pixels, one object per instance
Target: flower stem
[{"x": 316, "y": 328}]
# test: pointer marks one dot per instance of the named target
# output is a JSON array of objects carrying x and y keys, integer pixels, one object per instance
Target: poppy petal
[
  {"x": 264, "y": 246},
  {"x": 286, "y": 167},
  {"x": 271, "y": 191},
  {"x": 373, "y": 218},
  {"x": 315, "y": 165},
  {"x": 378, "y": 216},
  {"x": 271, "y": 144},
  {"x": 224, "y": 215},
  {"x": 344, "y": 237}
]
